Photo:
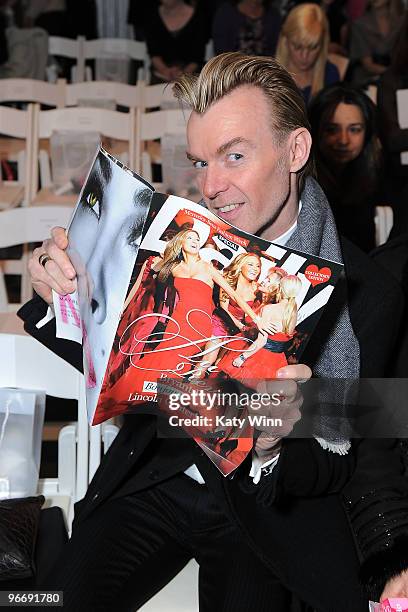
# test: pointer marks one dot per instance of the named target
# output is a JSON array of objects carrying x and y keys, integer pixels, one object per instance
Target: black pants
[{"x": 132, "y": 546}]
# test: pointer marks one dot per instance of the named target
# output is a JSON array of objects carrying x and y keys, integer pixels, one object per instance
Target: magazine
[
  {"x": 186, "y": 328},
  {"x": 185, "y": 306},
  {"x": 104, "y": 235}
]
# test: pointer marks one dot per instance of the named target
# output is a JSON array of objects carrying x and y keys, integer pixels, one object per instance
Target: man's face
[{"x": 242, "y": 173}]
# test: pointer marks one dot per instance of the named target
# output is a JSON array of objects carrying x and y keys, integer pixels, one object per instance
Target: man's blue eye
[
  {"x": 235, "y": 156},
  {"x": 199, "y": 164}
]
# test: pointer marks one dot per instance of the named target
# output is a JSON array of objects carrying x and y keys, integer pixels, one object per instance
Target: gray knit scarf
[{"x": 316, "y": 234}]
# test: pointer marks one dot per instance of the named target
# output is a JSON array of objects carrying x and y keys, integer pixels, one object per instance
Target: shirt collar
[{"x": 283, "y": 238}]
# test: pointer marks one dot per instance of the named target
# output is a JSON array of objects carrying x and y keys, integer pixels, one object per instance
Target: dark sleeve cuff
[
  {"x": 304, "y": 469},
  {"x": 378, "y": 517},
  {"x": 383, "y": 565},
  {"x": 379, "y": 521},
  {"x": 31, "y": 313},
  {"x": 308, "y": 470}
]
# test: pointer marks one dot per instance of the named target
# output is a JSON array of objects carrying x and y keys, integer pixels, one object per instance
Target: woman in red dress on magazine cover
[
  {"x": 188, "y": 328},
  {"x": 266, "y": 355},
  {"x": 145, "y": 296},
  {"x": 242, "y": 275}
]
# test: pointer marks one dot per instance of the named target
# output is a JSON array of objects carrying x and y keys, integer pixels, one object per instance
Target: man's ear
[{"x": 300, "y": 143}]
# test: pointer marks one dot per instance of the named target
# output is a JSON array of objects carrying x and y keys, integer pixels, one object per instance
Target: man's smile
[
  {"x": 228, "y": 207},
  {"x": 228, "y": 211}
]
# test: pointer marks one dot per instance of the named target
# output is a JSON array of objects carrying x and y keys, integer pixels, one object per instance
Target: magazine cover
[
  {"x": 104, "y": 236},
  {"x": 208, "y": 303}
]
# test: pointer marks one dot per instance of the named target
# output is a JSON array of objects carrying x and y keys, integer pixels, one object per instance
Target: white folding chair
[
  {"x": 16, "y": 145},
  {"x": 32, "y": 90},
  {"x": 153, "y": 126},
  {"x": 59, "y": 46},
  {"x": 23, "y": 226},
  {"x": 141, "y": 95},
  {"x": 117, "y": 130},
  {"x": 384, "y": 218},
  {"x": 372, "y": 93},
  {"x": 31, "y": 223},
  {"x": 105, "y": 50},
  {"x": 157, "y": 96},
  {"x": 99, "y": 93},
  {"x": 28, "y": 364}
]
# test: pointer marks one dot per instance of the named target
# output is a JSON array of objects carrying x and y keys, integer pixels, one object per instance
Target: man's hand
[
  {"x": 58, "y": 273},
  {"x": 396, "y": 587},
  {"x": 288, "y": 409},
  {"x": 299, "y": 372}
]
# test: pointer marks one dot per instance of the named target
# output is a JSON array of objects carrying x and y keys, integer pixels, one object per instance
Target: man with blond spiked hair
[{"x": 302, "y": 523}]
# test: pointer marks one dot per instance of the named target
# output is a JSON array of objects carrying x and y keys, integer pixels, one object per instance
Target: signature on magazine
[{"x": 163, "y": 342}]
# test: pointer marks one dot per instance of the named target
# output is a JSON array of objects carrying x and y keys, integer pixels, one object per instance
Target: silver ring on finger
[{"x": 43, "y": 259}]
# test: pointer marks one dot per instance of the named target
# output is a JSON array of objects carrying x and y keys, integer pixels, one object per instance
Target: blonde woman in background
[{"x": 303, "y": 49}]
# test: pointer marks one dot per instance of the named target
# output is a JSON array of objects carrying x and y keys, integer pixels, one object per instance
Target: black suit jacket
[{"x": 369, "y": 479}]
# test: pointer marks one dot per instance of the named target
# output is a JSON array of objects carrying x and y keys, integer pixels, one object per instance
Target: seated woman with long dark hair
[{"x": 349, "y": 159}]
